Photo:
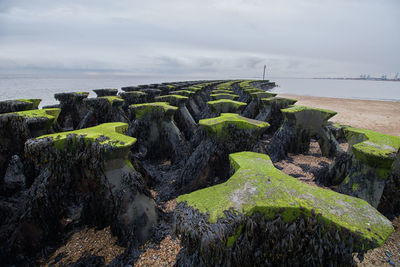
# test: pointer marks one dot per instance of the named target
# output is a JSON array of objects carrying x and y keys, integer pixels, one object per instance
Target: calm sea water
[{"x": 12, "y": 87}]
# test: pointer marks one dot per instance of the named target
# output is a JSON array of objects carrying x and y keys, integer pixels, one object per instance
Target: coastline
[{"x": 374, "y": 115}]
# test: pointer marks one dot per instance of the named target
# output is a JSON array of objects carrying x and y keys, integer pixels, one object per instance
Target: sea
[{"x": 31, "y": 86}]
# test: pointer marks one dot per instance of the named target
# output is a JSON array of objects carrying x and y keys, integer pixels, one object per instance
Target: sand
[{"x": 380, "y": 116}]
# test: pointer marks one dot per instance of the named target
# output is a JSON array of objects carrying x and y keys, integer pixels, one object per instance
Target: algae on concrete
[{"x": 257, "y": 186}]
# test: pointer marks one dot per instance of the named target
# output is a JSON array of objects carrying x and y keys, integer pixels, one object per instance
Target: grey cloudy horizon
[{"x": 208, "y": 38}]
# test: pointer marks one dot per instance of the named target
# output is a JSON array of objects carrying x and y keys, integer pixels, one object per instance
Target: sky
[{"x": 202, "y": 38}]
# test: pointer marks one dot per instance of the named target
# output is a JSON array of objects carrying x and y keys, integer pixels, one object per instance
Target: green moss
[
  {"x": 221, "y": 91},
  {"x": 257, "y": 186},
  {"x": 50, "y": 113},
  {"x": 174, "y": 100},
  {"x": 226, "y": 85},
  {"x": 34, "y": 101},
  {"x": 224, "y": 96},
  {"x": 278, "y": 101},
  {"x": 225, "y": 105},
  {"x": 113, "y": 100},
  {"x": 182, "y": 92},
  {"x": 259, "y": 95},
  {"x": 113, "y": 133},
  {"x": 326, "y": 113},
  {"x": 171, "y": 86},
  {"x": 375, "y": 149},
  {"x": 142, "y": 110},
  {"x": 233, "y": 238},
  {"x": 354, "y": 187},
  {"x": 219, "y": 126},
  {"x": 347, "y": 179}
]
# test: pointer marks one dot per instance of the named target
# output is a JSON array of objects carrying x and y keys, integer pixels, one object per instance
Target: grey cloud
[{"x": 292, "y": 37}]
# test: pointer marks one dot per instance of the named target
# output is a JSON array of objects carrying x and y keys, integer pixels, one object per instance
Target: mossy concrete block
[
  {"x": 71, "y": 97},
  {"x": 154, "y": 109},
  {"x": 106, "y": 92},
  {"x": 111, "y": 135},
  {"x": 260, "y": 95},
  {"x": 224, "y": 96},
  {"x": 220, "y": 91},
  {"x": 375, "y": 149},
  {"x": 133, "y": 97},
  {"x": 225, "y": 105},
  {"x": 14, "y": 105},
  {"x": 219, "y": 126},
  {"x": 308, "y": 117},
  {"x": 299, "y": 126},
  {"x": 44, "y": 117},
  {"x": 258, "y": 187},
  {"x": 130, "y": 88},
  {"x": 182, "y": 92},
  {"x": 226, "y": 85},
  {"x": 114, "y": 101},
  {"x": 280, "y": 101},
  {"x": 174, "y": 100}
]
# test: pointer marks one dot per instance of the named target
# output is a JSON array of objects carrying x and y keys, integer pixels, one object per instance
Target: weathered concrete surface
[
  {"x": 262, "y": 216},
  {"x": 85, "y": 178},
  {"x": 299, "y": 126}
]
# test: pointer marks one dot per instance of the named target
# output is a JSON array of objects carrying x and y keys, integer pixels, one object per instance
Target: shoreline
[{"x": 376, "y": 115}]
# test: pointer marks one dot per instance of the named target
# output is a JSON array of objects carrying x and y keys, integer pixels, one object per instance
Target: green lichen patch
[
  {"x": 33, "y": 101},
  {"x": 174, "y": 100},
  {"x": 225, "y": 105},
  {"x": 110, "y": 134},
  {"x": 49, "y": 113},
  {"x": 224, "y": 96},
  {"x": 155, "y": 108},
  {"x": 253, "y": 90},
  {"x": 278, "y": 101},
  {"x": 226, "y": 85},
  {"x": 113, "y": 100},
  {"x": 259, "y": 95},
  {"x": 219, "y": 91},
  {"x": 294, "y": 109},
  {"x": 219, "y": 126},
  {"x": 257, "y": 186},
  {"x": 182, "y": 92},
  {"x": 375, "y": 149}
]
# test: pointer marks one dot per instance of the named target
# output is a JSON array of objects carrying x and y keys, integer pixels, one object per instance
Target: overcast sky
[{"x": 205, "y": 38}]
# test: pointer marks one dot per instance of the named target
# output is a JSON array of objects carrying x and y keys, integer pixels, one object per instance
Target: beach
[{"x": 380, "y": 116}]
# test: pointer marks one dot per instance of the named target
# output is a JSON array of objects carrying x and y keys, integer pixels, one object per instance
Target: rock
[
  {"x": 270, "y": 111},
  {"x": 370, "y": 171},
  {"x": 85, "y": 178},
  {"x": 157, "y": 132},
  {"x": 261, "y": 216},
  {"x": 133, "y": 97},
  {"x": 225, "y": 134},
  {"x": 72, "y": 109},
  {"x": 224, "y": 96},
  {"x": 299, "y": 126},
  {"x": 182, "y": 92},
  {"x": 130, "y": 88},
  {"x": 102, "y": 110},
  {"x": 225, "y": 106},
  {"x": 182, "y": 117},
  {"x": 14, "y": 179},
  {"x": 8, "y": 106},
  {"x": 17, "y": 127},
  {"x": 106, "y": 92}
]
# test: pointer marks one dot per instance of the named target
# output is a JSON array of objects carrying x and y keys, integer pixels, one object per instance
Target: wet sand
[{"x": 380, "y": 116}]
